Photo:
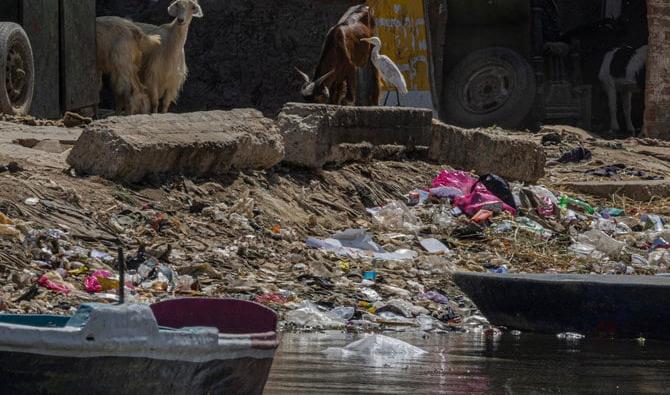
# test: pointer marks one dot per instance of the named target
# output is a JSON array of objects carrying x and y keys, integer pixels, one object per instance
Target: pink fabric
[
  {"x": 91, "y": 283},
  {"x": 455, "y": 179},
  {"x": 46, "y": 283},
  {"x": 476, "y": 195}
]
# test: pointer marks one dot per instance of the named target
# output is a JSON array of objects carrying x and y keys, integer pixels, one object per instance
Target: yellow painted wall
[{"x": 402, "y": 30}]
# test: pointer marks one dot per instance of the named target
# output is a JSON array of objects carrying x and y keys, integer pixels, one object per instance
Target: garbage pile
[
  {"x": 482, "y": 224},
  {"x": 381, "y": 267}
]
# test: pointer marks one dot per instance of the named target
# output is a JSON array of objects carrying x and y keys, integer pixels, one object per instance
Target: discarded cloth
[
  {"x": 475, "y": 194},
  {"x": 576, "y": 154}
]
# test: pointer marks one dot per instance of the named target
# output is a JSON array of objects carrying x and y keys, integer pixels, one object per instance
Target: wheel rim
[
  {"x": 488, "y": 89},
  {"x": 16, "y": 75}
]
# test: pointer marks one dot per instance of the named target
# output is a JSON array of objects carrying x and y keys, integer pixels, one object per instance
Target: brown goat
[{"x": 334, "y": 78}]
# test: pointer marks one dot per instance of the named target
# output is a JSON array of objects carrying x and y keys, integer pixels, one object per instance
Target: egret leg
[
  {"x": 397, "y": 95},
  {"x": 386, "y": 98}
]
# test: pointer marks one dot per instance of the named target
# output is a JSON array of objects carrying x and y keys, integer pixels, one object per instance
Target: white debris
[
  {"x": 308, "y": 315},
  {"x": 376, "y": 345}
]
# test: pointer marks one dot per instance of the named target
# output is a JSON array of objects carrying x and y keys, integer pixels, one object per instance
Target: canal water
[{"x": 473, "y": 364}]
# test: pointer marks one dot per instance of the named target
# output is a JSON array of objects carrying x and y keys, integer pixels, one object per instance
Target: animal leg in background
[
  {"x": 627, "y": 100},
  {"x": 612, "y": 102},
  {"x": 350, "y": 98}
]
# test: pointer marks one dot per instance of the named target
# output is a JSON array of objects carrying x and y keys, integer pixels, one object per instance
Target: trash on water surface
[
  {"x": 570, "y": 336},
  {"x": 376, "y": 345}
]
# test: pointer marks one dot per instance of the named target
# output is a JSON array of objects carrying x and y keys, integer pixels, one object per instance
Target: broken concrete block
[
  {"x": 485, "y": 151},
  {"x": 640, "y": 190},
  {"x": 315, "y": 134},
  {"x": 193, "y": 144},
  {"x": 51, "y": 146}
]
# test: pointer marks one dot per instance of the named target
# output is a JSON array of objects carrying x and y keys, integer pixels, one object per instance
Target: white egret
[{"x": 387, "y": 68}]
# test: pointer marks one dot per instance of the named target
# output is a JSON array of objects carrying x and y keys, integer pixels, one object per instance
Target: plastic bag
[
  {"x": 309, "y": 315},
  {"x": 542, "y": 200},
  {"x": 358, "y": 243},
  {"x": 602, "y": 242},
  {"x": 435, "y": 297},
  {"x": 459, "y": 180},
  {"x": 396, "y": 216},
  {"x": 376, "y": 345},
  {"x": 342, "y": 313},
  {"x": 475, "y": 194},
  {"x": 499, "y": 188}
]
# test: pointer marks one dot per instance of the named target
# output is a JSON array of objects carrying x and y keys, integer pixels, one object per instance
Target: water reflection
[{"x": 474, "y": 364}]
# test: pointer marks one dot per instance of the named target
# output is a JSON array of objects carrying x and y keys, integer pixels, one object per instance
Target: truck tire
[
  {"x": 17, "y": 71},
  {"x": 491, "y": 86}
]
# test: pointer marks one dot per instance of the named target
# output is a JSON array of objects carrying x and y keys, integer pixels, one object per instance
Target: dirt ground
[{"x": 244, "y": 235}]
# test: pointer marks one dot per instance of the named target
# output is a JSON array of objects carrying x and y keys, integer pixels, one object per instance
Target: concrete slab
[
  {"x": 131, "y": 148},
  {"x": 315, "y": 135},
  {"x": 11, "y": 150},
  {"x": 487, "y": 151},
  {"x": 640, "y": 190}
]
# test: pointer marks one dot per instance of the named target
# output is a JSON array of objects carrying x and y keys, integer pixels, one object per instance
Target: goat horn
[
  {"x": 303, "y": 75},
  {"x": 324, "y": 77}
]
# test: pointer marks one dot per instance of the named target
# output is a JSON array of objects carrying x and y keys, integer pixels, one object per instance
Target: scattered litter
[
  {"x": 395, "y": 216},
  {"x": 308, "y": 315},
  {"x": 577, "y": 154},
  {"x": 54, "y": 282},
  {"x": 434, "y": 246},
  {"x": 358, "y": 243},
  {"x": 31, "y": 201},
  {"x": 435, "y": 297}
]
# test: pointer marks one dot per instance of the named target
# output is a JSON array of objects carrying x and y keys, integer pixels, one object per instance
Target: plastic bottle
[
  {"x": 653, "y": 221},
  {"x": 567, "y": 201}
]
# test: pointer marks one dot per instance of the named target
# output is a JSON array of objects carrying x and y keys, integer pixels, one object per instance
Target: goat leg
[
  {"x": 153, "y": 97},
  {"x": 119, "y": 101},
  {"x": 627, "y": 107},
  {"x": 169, "y": 97},
  {"x": 612, "y": 101}
]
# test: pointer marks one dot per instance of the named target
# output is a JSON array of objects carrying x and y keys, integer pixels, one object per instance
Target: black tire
[
  {"x": 16, "y": 57},
  {"x": 491, "y": 86}
]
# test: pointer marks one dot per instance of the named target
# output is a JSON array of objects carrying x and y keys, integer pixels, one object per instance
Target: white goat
[
  {"x": 120, "y": 48},
  {"x": 164, "y": 70},
  {"x": 623, "y": 70}
]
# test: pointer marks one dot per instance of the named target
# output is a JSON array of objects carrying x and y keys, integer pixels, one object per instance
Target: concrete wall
[
  {"x": 242, "y": 53},
  {"x": 657, "y": 114}
]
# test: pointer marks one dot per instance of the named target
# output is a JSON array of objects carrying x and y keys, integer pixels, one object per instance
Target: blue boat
[{"x": 181, "y": 346}]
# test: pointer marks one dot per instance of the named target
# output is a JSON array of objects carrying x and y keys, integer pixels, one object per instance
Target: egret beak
[{"x": 367, "y": 40}]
